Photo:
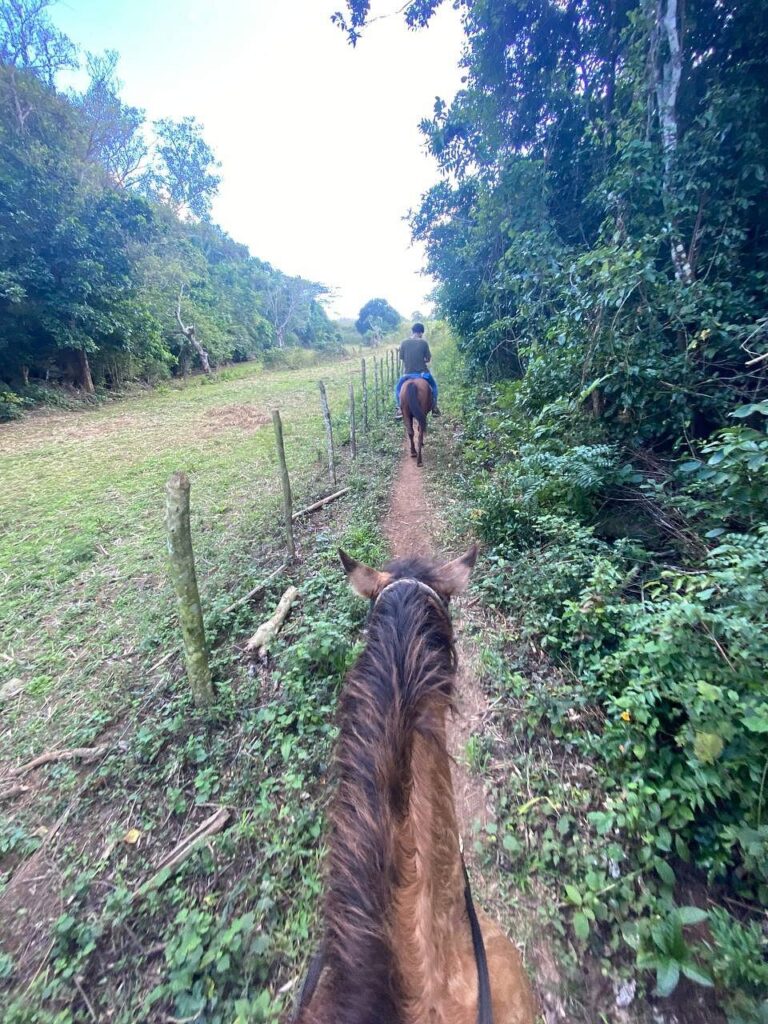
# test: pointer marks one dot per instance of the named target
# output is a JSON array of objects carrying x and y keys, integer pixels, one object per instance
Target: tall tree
[
  {"x": 185, "y": 173},
  {"x": 115, "y": 138},
  {"x": 29, "y": 42},
  {"x": 376, "y": 317}
]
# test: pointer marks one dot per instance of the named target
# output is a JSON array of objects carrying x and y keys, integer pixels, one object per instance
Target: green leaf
[
  {"x": 667, "y": 977},
  {"x": 581, "y": 926},
  {"x": 664, "y": 871},
  {"x": 573, "y": 894},
  {"x": 692, "y": 915},
  {"x": 697, "y": 974},
  {"x": 747, "y": 410},
  {"x": 707, "y": 746},
  {"x": 756, "y": 722}
]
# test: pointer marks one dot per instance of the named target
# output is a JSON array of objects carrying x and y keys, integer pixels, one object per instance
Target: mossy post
[
  {"x": 182, "y": 563},
  {"x": 352, "y": 434},
  {"x": 286, "y": 482},
  {"x": 376, "y": 394},
  {"x": 365, "y": 394},
  {"x": 328, "y": 432}
]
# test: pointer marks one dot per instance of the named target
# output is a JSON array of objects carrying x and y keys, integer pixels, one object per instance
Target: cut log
[
  {"x": 319, "y": 504},
  {"x": 268, "y": 630}
]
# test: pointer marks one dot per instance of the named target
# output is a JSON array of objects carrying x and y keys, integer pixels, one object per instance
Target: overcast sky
[{"x": 319, "y": 143}]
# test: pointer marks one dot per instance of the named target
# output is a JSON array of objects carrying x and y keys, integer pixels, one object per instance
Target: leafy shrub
[{"x": 739, "y": 964}]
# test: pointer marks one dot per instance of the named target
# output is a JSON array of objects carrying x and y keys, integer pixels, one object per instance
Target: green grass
[
  {"x": 91, "y": 616},
  {"x": 84, "y": 597}
]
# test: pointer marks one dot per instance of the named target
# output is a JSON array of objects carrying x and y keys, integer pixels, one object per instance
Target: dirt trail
[{"x": 411, "y": 527}]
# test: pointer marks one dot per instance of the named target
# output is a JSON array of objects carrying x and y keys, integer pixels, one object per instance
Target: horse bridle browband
[
  {"x": 316, "y": 964},
  {"x": 409, "y": 579}
]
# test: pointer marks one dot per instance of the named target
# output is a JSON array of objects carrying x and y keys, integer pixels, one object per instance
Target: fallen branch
[
  {"x": 757, "y": 359},
  {"x": 268, "y": 630},
  {"x": 319, "y": 504},
  {"x": 12, "y": 791},
  {"x": 183, "y": 851},
  {"x": 256, "y": 590},
  {"x": 74, "y": 754}
]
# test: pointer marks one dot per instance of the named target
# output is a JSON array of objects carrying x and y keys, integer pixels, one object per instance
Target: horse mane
[{"x": 403, "y": 676}]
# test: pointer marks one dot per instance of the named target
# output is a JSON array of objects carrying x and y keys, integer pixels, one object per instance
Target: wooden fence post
[
  {"x": 376, "y": 395},
  {"x": 182, "y": 563},
  {"x": 352, "y": 435},
  {"x": 287, "y": 500},
  {"x": 328, "y": 432},
  {"x": 365, "y": 395}
]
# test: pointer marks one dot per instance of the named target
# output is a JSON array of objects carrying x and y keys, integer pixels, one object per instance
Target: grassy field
[
  {"x": 84, "y": 599},
  {"x": 91, "y": 652}
]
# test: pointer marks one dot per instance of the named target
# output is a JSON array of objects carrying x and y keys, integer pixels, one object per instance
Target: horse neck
[
  {"x": 392, "y": 800},
  {"x": 429, "y": 902}
]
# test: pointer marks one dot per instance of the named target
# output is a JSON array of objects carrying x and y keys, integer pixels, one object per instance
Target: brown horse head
[{"x": 397, "y": 943}]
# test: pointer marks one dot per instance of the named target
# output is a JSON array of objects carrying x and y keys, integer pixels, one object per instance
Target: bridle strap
[
  {"x": 311, "y": 980},
  {"x": 409, "y": 579},
  {"x": 484, "y": 1004}
]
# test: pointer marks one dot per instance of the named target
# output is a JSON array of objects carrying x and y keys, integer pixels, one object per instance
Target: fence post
[
  {"x": 365, "y": 395},
  {"x": 352, "y": 435},
  {"x": 328, "y": 432},
  {"x": 287, "y": 500},
  {"x": 376, "y": 396},
  {"x": 182, "y": 563}
]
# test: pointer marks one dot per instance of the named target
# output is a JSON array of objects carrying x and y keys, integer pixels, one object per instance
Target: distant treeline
[{"x": 110, "y": 269}]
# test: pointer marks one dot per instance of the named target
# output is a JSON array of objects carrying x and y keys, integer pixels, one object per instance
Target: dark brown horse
[
  {"x": 415, "y": 403},
  {"x": 401, "y": 937}
]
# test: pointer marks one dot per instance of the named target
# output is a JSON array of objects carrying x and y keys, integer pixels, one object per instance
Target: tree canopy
[
  {"x": 377, "y": 317},
  {"x": 105, "y": 230}
]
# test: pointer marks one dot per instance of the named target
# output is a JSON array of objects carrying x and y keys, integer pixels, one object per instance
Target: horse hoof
[{"x": 413, "y": 455}]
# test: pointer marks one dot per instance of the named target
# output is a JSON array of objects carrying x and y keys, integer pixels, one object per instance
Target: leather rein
[{"x": 317, "y": 963}]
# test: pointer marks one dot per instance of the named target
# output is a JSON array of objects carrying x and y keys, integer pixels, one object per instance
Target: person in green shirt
[{"x": 415, "y": 355}]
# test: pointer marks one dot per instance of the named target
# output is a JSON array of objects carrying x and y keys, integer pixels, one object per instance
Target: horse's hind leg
[
  {"x": 419, "y": 461},
  {"x": 409, "y": 431}
]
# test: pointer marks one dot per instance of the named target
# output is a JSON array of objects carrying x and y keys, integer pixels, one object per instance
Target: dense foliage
[
  {"x": 106, "y": 247},
  {"x": 600, "y": 242},
  {"x": 376, "y": 318}
]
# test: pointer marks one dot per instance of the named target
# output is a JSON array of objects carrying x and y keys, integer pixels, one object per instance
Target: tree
[
  {"x": 115, "y": 138},
  {"x": 287, "y": 304},
  {"x": 376, "y": 317},
  {"x": 29, "y": 42},
  {"x": 184, "y": 175}
]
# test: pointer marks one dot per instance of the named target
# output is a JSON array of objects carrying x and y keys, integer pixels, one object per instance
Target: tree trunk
[
  {"x": 667, "y": 84},
  {"x": 84, "y": 371},
  {"x": 189, "y": 334},
  {"x": 182, "y": 563}
]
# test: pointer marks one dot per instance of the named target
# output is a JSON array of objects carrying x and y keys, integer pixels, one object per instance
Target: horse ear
[
  {"x": 365, "y": 582},
  {"x": 453, "y": 577}
]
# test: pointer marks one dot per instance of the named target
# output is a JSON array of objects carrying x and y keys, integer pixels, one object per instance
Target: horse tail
[
  {"x": 392, "y": 694},
  {"x": 414, "y": 406}
]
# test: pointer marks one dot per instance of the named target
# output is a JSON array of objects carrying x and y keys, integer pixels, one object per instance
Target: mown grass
[
  {"x": 84, "y": 598},
  {"x": 93, "y": 620}
]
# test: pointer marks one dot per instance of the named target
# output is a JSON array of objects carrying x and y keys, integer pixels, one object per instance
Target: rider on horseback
[{"x": 414, "y": 355}]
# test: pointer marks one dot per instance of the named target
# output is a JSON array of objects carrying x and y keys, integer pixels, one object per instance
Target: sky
[{"x": 319, "y": 144}]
